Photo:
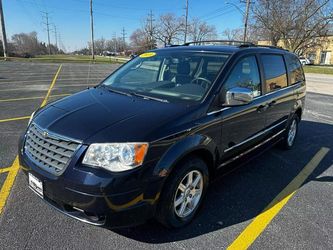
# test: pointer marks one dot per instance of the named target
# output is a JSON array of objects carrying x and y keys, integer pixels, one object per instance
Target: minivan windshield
[{"x": 168, "y": 75}]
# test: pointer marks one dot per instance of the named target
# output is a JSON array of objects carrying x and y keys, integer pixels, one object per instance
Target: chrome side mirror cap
[{"x": 238, "y": 96}]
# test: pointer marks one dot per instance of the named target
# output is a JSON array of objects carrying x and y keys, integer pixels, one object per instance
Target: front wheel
[{"x": 183, "y": 193}]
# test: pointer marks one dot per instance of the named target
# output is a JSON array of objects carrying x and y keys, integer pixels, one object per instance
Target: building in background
[{"x": 320, "y": 54}]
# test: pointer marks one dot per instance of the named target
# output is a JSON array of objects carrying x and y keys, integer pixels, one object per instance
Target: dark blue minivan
[{"x": 146, "y": 142}]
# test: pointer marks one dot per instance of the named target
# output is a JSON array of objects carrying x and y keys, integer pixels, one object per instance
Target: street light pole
[
  {"x": 3, "y": 29},
  {"x": 186, "y": 20},
  {"x": 245, "y": 16},
  {"x": 246, "y": 19}
]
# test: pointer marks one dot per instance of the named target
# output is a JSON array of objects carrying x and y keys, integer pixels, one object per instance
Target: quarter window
[
  {"x": 295, "y": 69},
  {"x": 246, "y": 75},
  {"x": 275, "y": 72}
]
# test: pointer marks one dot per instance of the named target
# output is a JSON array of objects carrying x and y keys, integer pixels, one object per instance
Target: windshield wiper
[
  {"x": 149, "y": 97},
  {"x": 116, "y": 91}
]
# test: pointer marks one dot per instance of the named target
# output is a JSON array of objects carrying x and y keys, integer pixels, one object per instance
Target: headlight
[
  {"x": 31, "y": 117},
  {"x": 116, "y": 157}
]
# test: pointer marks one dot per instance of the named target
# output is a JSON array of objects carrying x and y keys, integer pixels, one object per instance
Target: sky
[{"x": 72, "y": 17}]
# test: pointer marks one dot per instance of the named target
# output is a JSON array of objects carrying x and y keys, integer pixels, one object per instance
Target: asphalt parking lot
[{"x": 234, "y": 203}]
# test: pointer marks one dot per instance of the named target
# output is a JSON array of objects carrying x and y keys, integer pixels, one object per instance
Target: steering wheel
[{"x": 203, "y": 82}]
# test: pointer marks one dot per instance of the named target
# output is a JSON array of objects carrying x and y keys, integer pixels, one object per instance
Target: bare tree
[
  {"x": 140, "y": 40},
  {"x": 200, "y": 30},
  {"x": 26, "y": 43},
  {"x": 169, "y": 29},
  {"x": 297, "y": 23},
  {"x": 99, "y": 46},
  {"x": 233, "y": 34}
]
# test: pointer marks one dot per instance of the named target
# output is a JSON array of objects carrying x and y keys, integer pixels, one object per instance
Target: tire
[
  {"x": 167, "y": 212},
  {"x": 291, "y": 133}
]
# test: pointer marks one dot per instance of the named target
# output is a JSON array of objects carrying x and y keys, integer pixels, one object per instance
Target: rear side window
[
  {"x": 295, "y": 69},
  {"x": 246, "y": 75},
  {"x": 275, "y": 72}
]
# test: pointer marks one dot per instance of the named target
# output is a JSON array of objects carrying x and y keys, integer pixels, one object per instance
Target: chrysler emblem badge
[{"x": 45, "y": 134}]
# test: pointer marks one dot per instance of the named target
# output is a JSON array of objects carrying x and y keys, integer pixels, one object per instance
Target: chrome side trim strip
[
  {"x": 254, "y": 136},
  {"x": 251, "y": 149},
  {"x": 217, "y": 111}
]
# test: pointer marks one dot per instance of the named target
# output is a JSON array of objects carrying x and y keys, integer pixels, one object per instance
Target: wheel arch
[{"x": 195, "y": 145}]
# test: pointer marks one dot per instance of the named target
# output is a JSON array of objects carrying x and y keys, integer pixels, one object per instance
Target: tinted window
[
  {"x": 246, "y": 75},
  {"x": 145, "y": 72},
  {"x": 168, "y": 74},
  {"x": 295, "y": 69},
  {"x": 275, "y": 72}
]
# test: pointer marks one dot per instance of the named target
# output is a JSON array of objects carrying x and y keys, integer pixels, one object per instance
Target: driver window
[{"x": 246, "y": 75}]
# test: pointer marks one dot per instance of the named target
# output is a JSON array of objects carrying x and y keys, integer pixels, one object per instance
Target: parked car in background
[
  {"x": 305, "y": 60},
  {"x": 148, "y": 140}
]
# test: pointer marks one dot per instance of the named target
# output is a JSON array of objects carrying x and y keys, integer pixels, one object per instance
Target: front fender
[{"x": 182, "y": 148}]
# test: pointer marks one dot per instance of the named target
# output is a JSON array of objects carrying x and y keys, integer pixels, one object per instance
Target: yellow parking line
[
  {"x": 30, "y": 98},
  {"x": 15, "y": 119},
  {"x": 52, "y": 84},
  {"x": 258, "y": 225},
  {"x": 4, "y": 170},
  {"x": 7, "y": 186}
]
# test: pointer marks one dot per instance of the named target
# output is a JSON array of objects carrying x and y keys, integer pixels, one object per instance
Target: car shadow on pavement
[{"x": 243, "y": 194}]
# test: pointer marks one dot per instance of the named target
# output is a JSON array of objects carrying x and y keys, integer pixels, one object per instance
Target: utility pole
[
  {"x": 246, "y": 19},
  {"x": 61, "y": 45},
  {"x": 186, "y": 18},
  {"x": 115, "y": 42},
  {"x": 123, "y": 33},
  {"x": 150, "y": 21},
  {"x": 55, "y": 35},
  {"x": 47, "y": 29},
  {"x": 92, "y": 31},
  {"x": 3, "y": 30}
]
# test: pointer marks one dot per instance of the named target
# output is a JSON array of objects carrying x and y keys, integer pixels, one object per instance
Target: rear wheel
[
  {"x": 183, "y": 193},
  {"x": 291, "y": 133}
]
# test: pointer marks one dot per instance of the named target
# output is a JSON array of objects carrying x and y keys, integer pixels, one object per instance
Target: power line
[
  {"x": 47, "y": 28},
  {"x": 221, "y": 14},
  {"x": 214, "y": 12}
]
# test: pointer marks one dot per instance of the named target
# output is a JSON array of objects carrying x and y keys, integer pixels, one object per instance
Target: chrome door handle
[
  {"x": 272, "y": 103},
  {"x": 262, "y": 108}
]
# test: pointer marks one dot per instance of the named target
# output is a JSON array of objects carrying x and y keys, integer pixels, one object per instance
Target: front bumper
[{"x": 96, "y": 196}]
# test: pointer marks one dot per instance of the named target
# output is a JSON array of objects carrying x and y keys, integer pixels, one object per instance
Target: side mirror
[{"x": 238, "y": 96}]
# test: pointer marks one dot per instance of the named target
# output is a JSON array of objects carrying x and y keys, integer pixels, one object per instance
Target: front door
[{"x": 241, "y": 124}]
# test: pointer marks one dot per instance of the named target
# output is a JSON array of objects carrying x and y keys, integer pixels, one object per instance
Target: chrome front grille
[{"x": 50, "y": 152}]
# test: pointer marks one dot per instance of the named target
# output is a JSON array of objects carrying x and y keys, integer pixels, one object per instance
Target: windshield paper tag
[{"x": 148, "y": 54}]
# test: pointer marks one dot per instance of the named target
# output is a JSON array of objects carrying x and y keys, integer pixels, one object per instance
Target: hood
[{"x": 98, "y": 115}]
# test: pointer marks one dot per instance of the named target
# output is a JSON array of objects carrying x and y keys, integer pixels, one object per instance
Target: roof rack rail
[
  {"x": 227, "y": 42},
  {"x": 271, "y": 47},
  {"x": 172, "y": 45},
  {"x": 240, "y": 44}
]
